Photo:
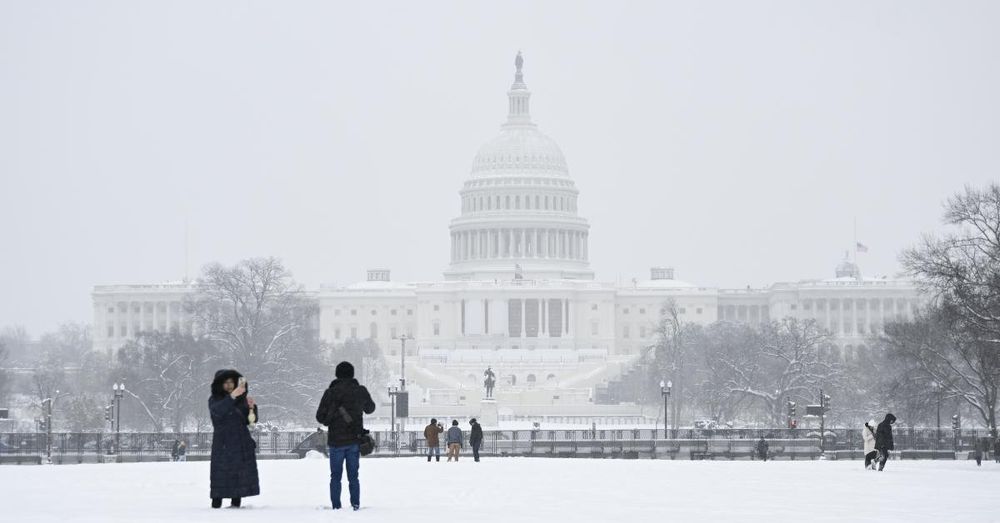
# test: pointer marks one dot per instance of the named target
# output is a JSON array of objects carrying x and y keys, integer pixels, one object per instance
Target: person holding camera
[
  {"x": 342, "y": 409},
  {"x": 432, "y": 437},
  {"x": 233, "y": 469}
]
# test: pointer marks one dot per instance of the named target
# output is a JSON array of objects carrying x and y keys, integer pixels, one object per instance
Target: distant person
[
  {"x": 173, "y": 450},
  {"x": 996, "y": 450},
  {"x": 432, "y": 437},
  {"x": 883, "y": 439},
  {"x": 977, "y": 452},
  {"x": 868, "y": 435},
  {"x": 181, "y": 451},
  {"x": 342, "y": 409},
  {"x": 475, "y": 438},
  {"x": 454, "y": 440},
  {"x": 234, "y": 461},
  {"x": 762, "y": 448}
]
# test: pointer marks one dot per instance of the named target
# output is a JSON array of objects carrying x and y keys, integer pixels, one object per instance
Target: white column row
[{"x": 519, "y": 243}]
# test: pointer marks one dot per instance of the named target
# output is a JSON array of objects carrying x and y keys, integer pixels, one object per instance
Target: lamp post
[
  {"x": 118, "y": 389},
  {"x": 665, "y": 392},
  {"x": 937, "y": 390},
  {"x": 402, "y": 376},
  {"x": 392, "y": 417},
  {"x": 47, "y": 406}
]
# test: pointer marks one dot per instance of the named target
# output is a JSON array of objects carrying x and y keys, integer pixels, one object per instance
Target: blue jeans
[{"x": 352, "y": 454}]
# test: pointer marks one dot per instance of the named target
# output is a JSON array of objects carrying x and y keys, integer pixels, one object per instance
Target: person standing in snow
[
  {"x": 868, "y": 435},
  {"x": 762, "y": 448},
  {"x": 182, "y": 451},
  {"x": 475, "y": 438},
  {"x": 432, "y": 437},
  {"x": 233, "y": 469},
  {"x": 977, "y": 452},
  {"x": 996, "y": 450},
  {"x": 883, "y": 440},
  {"x": 454, "y": 440},
  {"x": 342, "y": 409}
]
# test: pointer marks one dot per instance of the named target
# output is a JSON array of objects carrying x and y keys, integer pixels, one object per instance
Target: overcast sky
[{"x": 734, "y": 141}]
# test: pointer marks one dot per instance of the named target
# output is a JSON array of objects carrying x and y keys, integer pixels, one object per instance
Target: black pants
[
  {"x": 870, "y": 457},
  {"x": 883, "y": 456},
  {"x": 475, "y": 449}
]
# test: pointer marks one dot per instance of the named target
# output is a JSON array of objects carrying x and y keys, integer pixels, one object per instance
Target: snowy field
[{"x": 515, "y": 490}]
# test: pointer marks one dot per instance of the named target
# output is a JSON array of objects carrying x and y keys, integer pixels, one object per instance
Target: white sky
[{"x": 736, "y": 141}]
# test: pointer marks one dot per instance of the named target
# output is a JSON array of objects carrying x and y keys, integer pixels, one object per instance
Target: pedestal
[{"x": 489, "y": 414}]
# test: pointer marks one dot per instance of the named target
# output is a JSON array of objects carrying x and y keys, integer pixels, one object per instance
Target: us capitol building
[{"x": 519, "y": 295}]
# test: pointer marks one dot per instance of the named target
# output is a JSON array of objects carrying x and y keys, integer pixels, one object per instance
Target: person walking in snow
[
  {"x": 883, "y": 440},
  {"x": 454, "y": 440},
  {"x": 432, "y": 437},
  {"x": 868, "y": 435},
  {"x": 475, "y": 438},
  {"x": 762, "y": 448}
]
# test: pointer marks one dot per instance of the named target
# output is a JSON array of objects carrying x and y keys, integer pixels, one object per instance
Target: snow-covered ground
[{"x": 509, "y": 490}]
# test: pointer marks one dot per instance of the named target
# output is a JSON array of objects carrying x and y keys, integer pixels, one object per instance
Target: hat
[
  {"x": 344, "y": 370},
  {"x": 473, "y": 420}
]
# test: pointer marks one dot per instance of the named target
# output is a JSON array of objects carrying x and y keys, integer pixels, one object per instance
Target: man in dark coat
[
  {"x": 883, "y": 440},
  {"x": 762, "y": 448},
  {"x": 475, "y": 438},
  {"x": 234, "y": 461},
  {"x": 342, "y": 409}
]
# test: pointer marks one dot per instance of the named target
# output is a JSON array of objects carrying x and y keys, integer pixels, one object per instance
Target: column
[
  {"x": 586, "y": 250},
  {"x": 524, "y": 322},
  {"x": 170, "y": 317}
]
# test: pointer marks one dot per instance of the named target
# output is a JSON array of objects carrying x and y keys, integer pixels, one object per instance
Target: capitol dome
[
  {"x": 519, "y": 205},
  {"x": 517, "y": 149}
]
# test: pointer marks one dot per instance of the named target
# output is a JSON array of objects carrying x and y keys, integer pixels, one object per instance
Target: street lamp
[
  {"x": 402, "y": 378},
  {"x": 937, "y": 389},
  {"x": 665, "y": 392},
  {"x": 118, "y": 389}
]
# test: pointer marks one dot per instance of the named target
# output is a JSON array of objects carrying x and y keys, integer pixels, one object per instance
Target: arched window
[
  {"x": 550, "y": 378},
  {"x": 531, "y": 379}
]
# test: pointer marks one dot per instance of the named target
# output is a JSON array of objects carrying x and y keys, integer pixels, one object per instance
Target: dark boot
[
  {"x": 428, "y": 458},
  {"x": 216, "y": 502},
  {"x": 437, "y": 458},
  {"x": 235, "y": 503}
]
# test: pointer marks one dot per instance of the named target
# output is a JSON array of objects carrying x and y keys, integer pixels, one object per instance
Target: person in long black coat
[
  {"x": 883, "y": 439},
  {"x": 234, "y": 460},
  {"x": 475, "y": 438}
]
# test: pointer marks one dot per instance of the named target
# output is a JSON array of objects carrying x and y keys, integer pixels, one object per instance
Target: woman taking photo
[{"x": 234, "y": 461}]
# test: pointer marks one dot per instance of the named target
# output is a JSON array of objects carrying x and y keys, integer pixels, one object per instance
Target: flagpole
[{"x": 855, "y": 240}]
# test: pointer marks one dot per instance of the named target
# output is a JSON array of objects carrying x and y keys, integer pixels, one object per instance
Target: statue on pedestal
[{"x": 490, "y": 382}]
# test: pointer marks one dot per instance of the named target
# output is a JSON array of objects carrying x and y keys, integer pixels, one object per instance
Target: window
[
  {"x": 698, "y": 310},
  {"x": 437, "y": 329},
  {"x": 643, "y": 311},
  {"x": 354, "y": 332},
  {"x": 111, "y": 310},
  {"x": 393, "y": 312},
  {"x": 625, "y": 331},
  {"x": 336, "y": 333},
  {"x": 336, "y": 312},
  {"x": 794, "y": 307},
  {"x": 409, "y": 312},
  {"x": 392, "y": 333},
  {"x": 111, "y": 331},
  {"x": 595, "y": 328},
  {"x": 642, "y": 331},
  {"x": 682, "y": 310},
  {"x": 373, "y": 331},
  {"x": 373, "y": 312},
  {"x": 354, "y": 312},
  {"x": 437, "y": 308},
  {"x": 625, "y": 310},
  {"x": 593, "y": 307}
]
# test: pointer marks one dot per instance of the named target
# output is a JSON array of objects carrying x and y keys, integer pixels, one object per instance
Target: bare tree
[
  {"x": 936, "y": 348},
  {"x": 167, "y": 376},
  {"x": 263, "y": 325},
  {"x": 962, "y": 268}
]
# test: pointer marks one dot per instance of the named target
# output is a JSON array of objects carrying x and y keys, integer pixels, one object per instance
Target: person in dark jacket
[
  {"x": 432, "y": 436},
  {"x": 977, "y": 452},
  {"x": 883, "y": 440},
  {"x": 475, "y": 438},
  {"x": 996, "y": 450},
  {"x": 234, "y": 461},
  {"x": 342, "y": 409},
  {"x": 762, "y": 448}
]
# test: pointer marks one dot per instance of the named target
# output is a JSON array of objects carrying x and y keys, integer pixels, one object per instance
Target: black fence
[{"x": 143, "y": 446}]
